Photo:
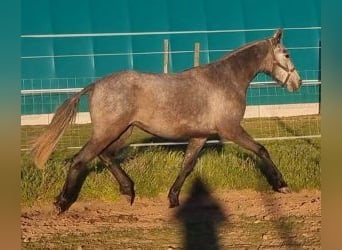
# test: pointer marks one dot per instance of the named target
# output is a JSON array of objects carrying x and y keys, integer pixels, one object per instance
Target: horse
[{"x": 189, "y": 105}]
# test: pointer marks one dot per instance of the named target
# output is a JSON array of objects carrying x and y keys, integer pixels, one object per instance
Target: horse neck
[{"x": 242, "y": 65}]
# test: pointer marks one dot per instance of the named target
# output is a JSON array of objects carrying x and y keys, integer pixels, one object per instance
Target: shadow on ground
[{"x": 200, "y": 216}]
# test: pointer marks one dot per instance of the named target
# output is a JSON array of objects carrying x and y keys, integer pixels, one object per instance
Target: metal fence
[
  {"x": 272, "y": 112},
  {"x": 264, "y": 122}
]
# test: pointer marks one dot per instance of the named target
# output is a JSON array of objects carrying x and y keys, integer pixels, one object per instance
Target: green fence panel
[{"x": 68, "y": 44}]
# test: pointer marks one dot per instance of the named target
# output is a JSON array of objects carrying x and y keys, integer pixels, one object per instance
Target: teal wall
[{"x": 69, "y": 43}]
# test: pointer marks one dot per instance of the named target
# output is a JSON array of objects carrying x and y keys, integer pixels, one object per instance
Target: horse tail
[{"x": 44, "y": 145}]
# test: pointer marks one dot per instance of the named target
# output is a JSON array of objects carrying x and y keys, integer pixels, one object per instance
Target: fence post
[
  {"x": 166, "y": 56},
  {"x": 196, "y": 54}
]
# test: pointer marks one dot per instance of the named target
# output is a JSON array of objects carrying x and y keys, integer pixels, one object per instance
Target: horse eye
[{"x": 287, "y": 55}]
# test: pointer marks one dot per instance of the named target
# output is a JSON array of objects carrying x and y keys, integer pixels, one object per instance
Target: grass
[{"x": 154, "y": 169}]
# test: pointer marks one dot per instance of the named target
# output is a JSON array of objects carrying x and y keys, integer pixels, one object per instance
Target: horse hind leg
[
  {"x": 107, "y": 157},
  {"x": 78, "y": 171},
  {"x": 192, "y": 151}
]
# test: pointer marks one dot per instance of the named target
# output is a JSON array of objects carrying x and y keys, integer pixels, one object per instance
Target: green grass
[{"x": 154, "y": 169}]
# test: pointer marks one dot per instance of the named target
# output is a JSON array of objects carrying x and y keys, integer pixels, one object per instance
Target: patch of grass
[{"x": 154, "y": 169}]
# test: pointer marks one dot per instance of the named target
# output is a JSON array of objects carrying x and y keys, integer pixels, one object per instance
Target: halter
[{"x": 277, "y": 63}]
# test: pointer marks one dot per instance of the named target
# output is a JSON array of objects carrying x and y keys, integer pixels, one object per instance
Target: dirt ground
[{"x": 243, "y": 219}]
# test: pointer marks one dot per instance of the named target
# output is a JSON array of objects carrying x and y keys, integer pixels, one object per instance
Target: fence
[{"x": 272, "y": 112}]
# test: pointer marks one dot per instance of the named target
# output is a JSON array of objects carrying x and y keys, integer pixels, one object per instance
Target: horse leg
[
  {"x": 107, "y": 157},
  {"x": 271, "y": 172},
  {"x": 194, "y": 147},
  {"x": 78, "y": 171}
]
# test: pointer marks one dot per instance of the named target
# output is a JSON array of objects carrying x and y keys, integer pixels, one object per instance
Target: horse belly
[{"x": 175, "y": 128}]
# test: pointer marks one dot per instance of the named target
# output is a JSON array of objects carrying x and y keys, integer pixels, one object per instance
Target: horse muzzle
[{"x": 293, "y": 86}]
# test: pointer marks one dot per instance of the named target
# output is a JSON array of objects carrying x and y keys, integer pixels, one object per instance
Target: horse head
[{"x": 280, "y": 66}]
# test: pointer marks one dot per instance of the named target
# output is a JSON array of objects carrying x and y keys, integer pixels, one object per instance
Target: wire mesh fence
[
  {"x": 272, "y": 112},
  {"x": 274, "y": 128}
]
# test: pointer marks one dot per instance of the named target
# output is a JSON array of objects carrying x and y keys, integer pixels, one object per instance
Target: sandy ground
[{"x": 243, "y": 219}]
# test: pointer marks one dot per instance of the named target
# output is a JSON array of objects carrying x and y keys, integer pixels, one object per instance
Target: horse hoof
[
  {"x": 284, "y": 190},
  {"x": 129, "y": 194},
  {"x": 59, "y": 209},
  {"x": 61, "y": 205},
  {"x": 173, "y": 202},
  {"x": 129, "y": 198},
  {"x": 173, "y": 205}
]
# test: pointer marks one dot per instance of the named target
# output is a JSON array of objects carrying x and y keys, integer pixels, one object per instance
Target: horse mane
[
  {"x": 229, "y": 55},
  {"x": 240, "y": 49}
]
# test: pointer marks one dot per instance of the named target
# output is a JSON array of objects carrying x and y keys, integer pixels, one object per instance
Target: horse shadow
[{"x": 200, "y": 216}]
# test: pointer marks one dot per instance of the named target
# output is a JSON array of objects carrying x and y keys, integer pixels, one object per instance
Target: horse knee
[{"x": 262, "y": 152}]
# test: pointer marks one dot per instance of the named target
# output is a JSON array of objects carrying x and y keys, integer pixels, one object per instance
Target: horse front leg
[
  {"x": 192, "y": 151},
  {"x": 271, "y": 172}
]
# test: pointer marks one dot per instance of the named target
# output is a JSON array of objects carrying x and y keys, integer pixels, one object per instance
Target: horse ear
[{"x": 277, "y": 36}]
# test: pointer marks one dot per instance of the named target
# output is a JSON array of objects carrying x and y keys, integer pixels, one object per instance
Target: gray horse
[{"x": 204, "y": 100}]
